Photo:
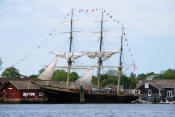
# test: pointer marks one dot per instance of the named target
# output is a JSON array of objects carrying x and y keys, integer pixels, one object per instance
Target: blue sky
[{"x": 25, "y": 24}]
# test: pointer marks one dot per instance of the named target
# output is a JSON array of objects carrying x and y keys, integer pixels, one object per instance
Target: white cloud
[{"x": 142, "y": 18}]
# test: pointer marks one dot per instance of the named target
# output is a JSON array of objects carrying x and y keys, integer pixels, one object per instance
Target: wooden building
[
  {"x": 21, "y": 91},
  {"x": 156, "y": 90}
]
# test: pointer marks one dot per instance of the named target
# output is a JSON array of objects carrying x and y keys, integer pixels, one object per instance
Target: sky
[{"x": 26, "y": 24}]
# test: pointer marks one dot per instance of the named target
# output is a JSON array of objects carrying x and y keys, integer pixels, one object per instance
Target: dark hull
[{"x": 55, "y": 96}]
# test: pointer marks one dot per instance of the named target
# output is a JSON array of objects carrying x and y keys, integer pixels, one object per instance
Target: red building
[{"x": 21, "y": 91}]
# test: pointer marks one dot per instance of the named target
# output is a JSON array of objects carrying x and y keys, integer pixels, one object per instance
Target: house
[
  {"x": 150, "y": 77},
  {"x": 156, "y": 90},
  {"x": 21, "y": 91}
]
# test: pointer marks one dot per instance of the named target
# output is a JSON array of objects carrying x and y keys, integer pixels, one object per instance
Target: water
[{"x": 87, "y": 110}]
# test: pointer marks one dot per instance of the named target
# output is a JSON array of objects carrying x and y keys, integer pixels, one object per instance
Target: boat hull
[{"x": 55, "y": 96}]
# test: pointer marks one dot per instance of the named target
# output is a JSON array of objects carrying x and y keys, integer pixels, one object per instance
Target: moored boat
[{"x": 82, "y": 90}]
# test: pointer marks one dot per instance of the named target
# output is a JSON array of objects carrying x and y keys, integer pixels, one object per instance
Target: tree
[
  {"x": 41, "y": 70},
  {"x": 168, "y": 74},
  {"x": 0, "y": 64},
  {"x": 143, "y": 75},
  {"x": 94, "y": 80},
  {"x": 60, "y": 75},
  {"x": 33, "y": 76},
  {"x": 73, "y": 76},
  {"x": 11, "y": 72}
]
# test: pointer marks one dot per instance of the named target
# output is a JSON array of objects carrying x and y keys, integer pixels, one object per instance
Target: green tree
[
  {"x": 143, "y": 75},
  {"x": 0, "y": 64},
  {"x": 73, "y": 76},
  {"x": 168, "y": 74},
  {"x": 94, "y": 80},
  {"x": 41, "y": 70},
  {"x": 108, "y": 79},
  {"x": 11, "y": 72},
  {"x": 33, "y": 76},
  {"x": 60, "y": 75}
]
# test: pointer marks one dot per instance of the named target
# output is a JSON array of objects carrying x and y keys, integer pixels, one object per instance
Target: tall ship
[{"x": 82, "y": 90}]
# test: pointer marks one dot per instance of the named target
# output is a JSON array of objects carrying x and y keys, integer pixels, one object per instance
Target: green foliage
[
  {"x": 0, "y": 64},
  {"x": 169, "y": 74},
  {"x": 145, "y": 75},
  {"x": 106, "y": 79},
  {"x": 94, "y": 80},
  {"x": 41, "y": 70},
  {"x": 33, "y": 76},
  {"x": 61, "y": 75},
  {"x": 73, "y": 76},
  {"x": 11, "y": 72},
  {"x": 165, "y": 74}
]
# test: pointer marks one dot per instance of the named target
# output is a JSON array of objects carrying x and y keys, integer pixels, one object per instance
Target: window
[
  {"x": 29, "y": 94},
  {"x": 8, "y": 95},
  {"x": 146, "y": 85},
  {"x": 32, "y": 94},
  {"x": 149, "y": 92},
  {"x": 25, "y": 94},
  {"x": 169, "y": 94},
  {"x": 40, "y": 93}
]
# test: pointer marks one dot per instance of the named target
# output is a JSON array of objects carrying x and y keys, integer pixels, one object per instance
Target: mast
[
  {"x": 70, "y": 50},
  {"x": 100, "y": 49},
  {"x": 120, "y": 63}
]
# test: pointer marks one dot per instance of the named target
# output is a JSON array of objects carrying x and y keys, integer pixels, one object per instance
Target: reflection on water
[{"x": 87, "y": 110}]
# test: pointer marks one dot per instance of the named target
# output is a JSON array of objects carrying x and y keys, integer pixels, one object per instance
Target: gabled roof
[
  {"x": 23, "y": 85},
  {"x": 160, "y": 84},
  {"x": 2, "y": 79},
  {"x": 165, "y": 83}
]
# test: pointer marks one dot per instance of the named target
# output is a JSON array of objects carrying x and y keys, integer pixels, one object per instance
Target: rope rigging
[{"x": 107, "y": 15}]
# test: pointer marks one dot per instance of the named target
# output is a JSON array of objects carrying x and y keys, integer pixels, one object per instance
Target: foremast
[
  {"x": 70, "y": 50},
  {"x": 120, "y": 63},
  {"x": 100, "y": 49}
]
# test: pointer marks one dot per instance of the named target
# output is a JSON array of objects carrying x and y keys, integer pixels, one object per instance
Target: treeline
[
  {"x": 108, "y": 78},
  {"x": 166, "y": 74}
]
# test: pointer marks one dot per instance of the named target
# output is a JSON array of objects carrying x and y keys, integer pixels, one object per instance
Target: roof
[
  {"x": 150, "y": 77},
  {"x": 165, "y": 83},
  {"x": 59, "y": 84},
  {"x": 160, "y": 84},
  {"x": 2, "y": 79},
  {"x": 23, "y": 85}
]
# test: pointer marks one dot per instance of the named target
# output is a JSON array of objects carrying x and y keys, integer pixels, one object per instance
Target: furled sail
[
  {"x": 47, "y": 74},
  {"x": 103, "y": 55},
  {"x": 85, "y": 79},
  {"x": 68, "y": 55}
]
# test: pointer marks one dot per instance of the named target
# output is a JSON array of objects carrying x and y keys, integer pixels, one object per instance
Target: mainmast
[
  {"x": 100, "y": 49},
  {"x": 120, "y": 63},
  {"x": 70, "y": 50}
]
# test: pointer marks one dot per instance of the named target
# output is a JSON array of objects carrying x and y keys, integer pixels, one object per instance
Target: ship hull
[{"x": 55, "y": 96}]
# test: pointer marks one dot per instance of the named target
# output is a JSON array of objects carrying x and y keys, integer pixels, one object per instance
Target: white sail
[
  {"x": 85, "y": 79},
  {"x": 47, "y": 74},
  {"x": 68, "y": 55},
  {"x": 103, "y": 55}
]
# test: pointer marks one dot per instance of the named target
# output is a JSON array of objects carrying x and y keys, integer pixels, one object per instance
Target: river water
[{"x": 87, "y": 110}]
